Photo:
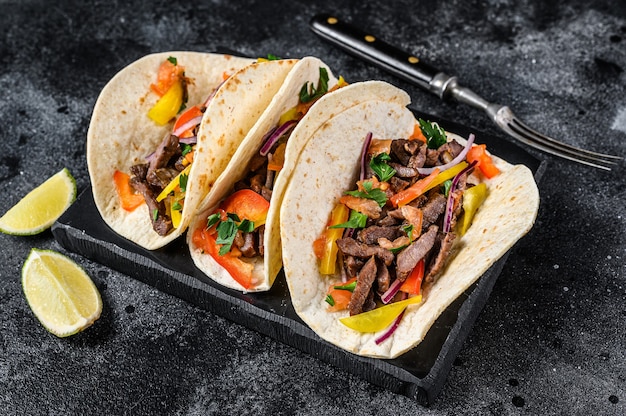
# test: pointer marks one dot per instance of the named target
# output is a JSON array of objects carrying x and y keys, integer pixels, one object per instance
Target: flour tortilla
[
  {"x": 327, "y": 167},
  {"x": 121, "y": 134}
]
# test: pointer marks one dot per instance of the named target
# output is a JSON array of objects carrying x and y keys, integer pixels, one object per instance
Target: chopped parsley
[
  {"x": 376, "y": 194},
  {"x": 185, "y": 148},
  {"x": 155, "y": 214},
  {"x": 176, "y": 206},
  {"x": 381, "y": 168},
  {"x": 272, "y": 57},
  {"x": 227, "y": 229},
  {"x": 329, "y": 299},
  {"x": 182, "y": 182},
  {"x": 173, "y": 60},
  {"x": 445, "y": 187},
  {"x": 356, "y": 220},
  {"x": 311, "y": 93},
  {"x": 435, "y": 135},
  {"x": 348, "y": 286}
]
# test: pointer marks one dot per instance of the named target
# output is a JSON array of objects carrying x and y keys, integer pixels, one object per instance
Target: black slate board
[{"x": 418, "y": 374}]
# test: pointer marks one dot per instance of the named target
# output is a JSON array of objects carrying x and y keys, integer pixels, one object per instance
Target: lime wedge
[
  {"x": 59, "y": 292},
  {"x": 41, "y": 207},
  {"x": 379, "y": 318}
]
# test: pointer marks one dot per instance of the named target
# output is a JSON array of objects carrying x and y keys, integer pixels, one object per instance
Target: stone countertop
[{"x": 551, "y": 337}]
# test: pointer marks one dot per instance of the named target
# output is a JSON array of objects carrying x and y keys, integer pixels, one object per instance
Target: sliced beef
[
  {"x": 161, "y": 177},
  {"x": 370, "y": 302},
  {"x": 161, "y": 224},
  {"x": 446, "y": 241},
  {"x": 256, "y": 182},
  {"x": 370, "y": 235},
  {"x": 351, "y": 265},
  {"x": 444, "y": 154},
  {"x": 400, "y": 153},
  {"x": 256, "y": 162},
  {"x": 404, "y": 171},
  {"x": 248, "y": 247},
  {"x": 354, "y": 248},
  {"x": 419, "y": 158},
  {"x": 431, "y": 211},
  {"x": 410, "y": 256},
  {"x": 266, "y": 193},
  {"x": 396, "y": 184},
  {"x": 260, "y": 235},
  {"x": 140, "y": 170},
  {"x": 164, "y": 152},
  {"x": 364, "y": 283},
  {"x": 383, "y": 279}
]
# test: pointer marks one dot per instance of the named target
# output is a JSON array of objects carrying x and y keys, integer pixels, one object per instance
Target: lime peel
[{"x": 41, "y": 207}]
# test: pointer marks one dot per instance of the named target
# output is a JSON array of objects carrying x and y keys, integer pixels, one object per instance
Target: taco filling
[
  {"x": 390, "y": 237},
  {"x": 160, "y": 181},
  {"x": 234, "y": 231}
]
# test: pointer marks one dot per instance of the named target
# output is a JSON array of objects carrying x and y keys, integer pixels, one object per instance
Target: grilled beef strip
[
  {"x": 370, "y": 235},
  {"x": 408, "y": 258},
  {"x": 442, "y": 250},
  {"x": 164, "y": 152},
  {"x": 404, "y": 171},
  {"x": 354, "y": 248},
  {"x": 161, "y": 224},
  {"x": 363, "y": 287},
  {"x": 383, "y": 278},
  {"x": 431, "y": 211}
]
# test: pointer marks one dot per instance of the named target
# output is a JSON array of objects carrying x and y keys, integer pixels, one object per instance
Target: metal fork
[{"x": 410, "y": 68}]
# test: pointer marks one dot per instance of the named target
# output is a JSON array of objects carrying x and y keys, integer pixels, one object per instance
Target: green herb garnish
[
  {"x": 376, "y": 194},
  {"x": 381, "y": 168},
  {"x": 435, "y": 135},
  {"x": 329, "y": 299},
  {"x": 177, "y": 206},
  {"x": 173, "y": 60},
  {"x": 272, "y": 57},
  {"x": 155, "y": 214},
  {"x": 348, "y": 286},
  {"x": 311, "y": 93},
  {"x": 185, "y": 148},
  {"x": 227, "y": 229},
  {"x": 182, "y": 182},
  {"x": 212, "y": 220},
  {"x": 356, "y": 220},
  {"x": 445, "y": 187}
]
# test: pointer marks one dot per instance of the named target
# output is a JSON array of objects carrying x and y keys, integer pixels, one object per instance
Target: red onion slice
[
  {"x": 391, "y": 329},
  {"x": 391, "y": 292},
  {"x": 189, "y": 140},
  {"x": 210, "y": 97},
  {"x": 277, "y": 134},
  {"x": 366, "y": 146},
  {"x": 188, "y": 125},
  {"x": 456, "y": 160}
]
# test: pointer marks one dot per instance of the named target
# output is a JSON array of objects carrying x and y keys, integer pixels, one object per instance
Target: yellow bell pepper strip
[
  {"x": 379, "y": 318},
  {"x": 479, "y": 154},
  {"x": 472, "y": 199},
  {"x": 168, "y": 105},
  {"x": 291, "y": 114},
  {"x": 176, "y": 209},
  {"x": 173, "y": 184},
  {"x": 327, "y": 242},
  {"x": 129, "y": 200}
]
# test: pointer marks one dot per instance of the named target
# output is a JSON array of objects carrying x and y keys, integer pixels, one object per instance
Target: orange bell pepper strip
[
  {"x": 484, "y": 162},
  {"x": 409, "y": 194},
  {"x": 129, "y": 200},
  {"x": 240, "y": 271},
  {"x": 413, "y": 284},
  {"x": 417, "y": 134}
]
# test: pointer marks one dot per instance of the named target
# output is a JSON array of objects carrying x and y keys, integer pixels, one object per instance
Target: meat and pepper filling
[{"x": 397, "y": 229}]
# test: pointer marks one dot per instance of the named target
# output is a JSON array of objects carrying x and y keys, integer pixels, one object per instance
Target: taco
[
  {"x": 233, "y": 238},
  {"x": 375, "y": 224},
  {"x": 162, "y": 131}
]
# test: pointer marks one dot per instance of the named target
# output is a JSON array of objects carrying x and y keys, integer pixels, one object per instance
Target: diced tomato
[
  {"x": 341, "y": 297},
  {"x": 479, "y": 154},
  {"x": 240, "y": 271},
  {"x": 413, "y": 283},
  {"x": 168, "y": 74},
  {"x": 248, "y": 205},
  {"x": 129, "y": 200}
]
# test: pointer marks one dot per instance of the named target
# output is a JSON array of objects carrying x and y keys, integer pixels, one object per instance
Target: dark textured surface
[{"x": 551, "y": 337}]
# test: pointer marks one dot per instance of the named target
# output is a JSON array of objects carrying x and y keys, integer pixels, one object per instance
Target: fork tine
[{"x": 512, "y": 125}]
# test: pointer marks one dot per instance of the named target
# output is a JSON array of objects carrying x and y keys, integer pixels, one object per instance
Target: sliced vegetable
[
  {"x": 312, "y": 93},
  {"x": 364, "y": 150},
  {"x": 331, "y": 235},
  {"x": 174, "y": 183},
  {"x": 338, "y": 299},
  {"x": 379, "y": 318},
  {"x": 278, "y": 158},
  {"x": 391, "y": 329},
  {"x": 276, "y": 135},
  {"x": 380, "y": 167},
  {"x": 472, "y": 199},
  {"x": 447, "y": 219},
  {"x": 241, "y": 272},
  {"x": 169, "y": 73},
  {"x": 418, "y": 188},
  {"x": 413, "y": 284},
  {"x": 129, "y": 200},
  {"x": 188, "y": 120},
  {"x": 168, "y": 105},
  {"x": 435, "y": 135},
  {"x": 479, "y": 154},
  {"x": 247, "y": 205}
]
